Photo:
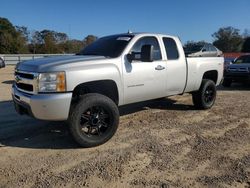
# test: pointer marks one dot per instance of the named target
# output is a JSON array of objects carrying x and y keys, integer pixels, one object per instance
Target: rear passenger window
[
  {"x": 206, "y": 48},
  {"x": 171, "y": 48},
  {"x": 212, "y": 48}
]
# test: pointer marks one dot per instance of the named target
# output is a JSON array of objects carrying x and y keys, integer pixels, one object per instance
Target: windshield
[
  {"x": 242, "y": 59},
  {"x": 110, "y": 46}
]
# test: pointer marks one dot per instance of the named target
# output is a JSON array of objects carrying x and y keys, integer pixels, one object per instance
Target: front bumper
[
  {"x": 51, "y": 107},
  {"x": 237, "y": 76}
]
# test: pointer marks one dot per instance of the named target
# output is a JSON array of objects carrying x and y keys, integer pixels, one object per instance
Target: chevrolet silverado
[{"x": 86, "y": 89}]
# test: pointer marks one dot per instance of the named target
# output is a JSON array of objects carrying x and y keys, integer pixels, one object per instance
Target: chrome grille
[{"x": 26, "y": 81}]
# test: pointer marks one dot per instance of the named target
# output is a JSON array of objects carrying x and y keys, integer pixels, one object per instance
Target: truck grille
[
  {"x": 25, "y": 87},
  {"x": 26, "y": 81},
  {"x": 24, "y": 75}
]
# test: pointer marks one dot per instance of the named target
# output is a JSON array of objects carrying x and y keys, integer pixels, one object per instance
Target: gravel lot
[{"x": 160, "y": 143}]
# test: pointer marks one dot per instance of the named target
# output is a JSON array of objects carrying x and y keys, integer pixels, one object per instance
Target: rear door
[{"x": 176, "y": 67}]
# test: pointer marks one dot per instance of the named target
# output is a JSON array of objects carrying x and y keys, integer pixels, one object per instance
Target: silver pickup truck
[{"x": 86, "y": 89}]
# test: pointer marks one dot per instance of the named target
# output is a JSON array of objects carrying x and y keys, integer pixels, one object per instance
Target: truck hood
[{"x": 55, "y": 62}]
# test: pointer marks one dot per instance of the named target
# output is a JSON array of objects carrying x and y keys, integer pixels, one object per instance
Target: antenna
[{"x": 129, "y": 31}]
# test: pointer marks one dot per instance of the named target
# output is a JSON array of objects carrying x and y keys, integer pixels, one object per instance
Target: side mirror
[
  {"x": 134, "y": 56},
  {"x": 147, "y": 53},
  {"x": 131, "y": 57}
]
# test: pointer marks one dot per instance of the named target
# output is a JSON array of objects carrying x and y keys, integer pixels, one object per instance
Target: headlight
[{"x": 52, "y": 82}]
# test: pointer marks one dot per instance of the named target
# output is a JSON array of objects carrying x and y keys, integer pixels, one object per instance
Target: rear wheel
[
  {"x": 93, "y": 120},
  {"x": 227, "y": 82},
  {"x": 205, "y": 97}
]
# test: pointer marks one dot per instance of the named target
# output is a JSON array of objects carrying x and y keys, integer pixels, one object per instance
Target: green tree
[
  {"x": 18, "y": 39},
  {"x": 72, "y": 46},
  {"x": 24, "y": 32},
  {"x": 246, "y": 45},
  {"x": 60, "y": 37},
  {"x": 36, "y": 42},
  {"x": 22, "y": 39},
  {"x": 89, "y": 39},
  {"x": 246, "y": 33},
  {"x": 61, "y": 41},
  {"x": 13, "y": 39},
  {"x": 228, "y": 39},
  {"x": 7, "y": 37},
  {"x": 49, "y": 41}
]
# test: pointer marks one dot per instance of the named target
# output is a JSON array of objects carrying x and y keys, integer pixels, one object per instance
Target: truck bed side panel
[{"x": 198, "y": 66}]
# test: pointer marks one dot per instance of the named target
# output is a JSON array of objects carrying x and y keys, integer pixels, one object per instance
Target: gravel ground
[{"x": 160, "y": 143}]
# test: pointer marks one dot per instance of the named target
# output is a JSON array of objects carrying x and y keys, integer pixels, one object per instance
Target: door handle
[{"x": 159, "y": 67}]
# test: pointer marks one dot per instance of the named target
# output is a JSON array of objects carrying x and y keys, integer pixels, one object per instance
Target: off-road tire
[
  {"x": 86, "y": 102},
  {"x": 205, "y": 97}
]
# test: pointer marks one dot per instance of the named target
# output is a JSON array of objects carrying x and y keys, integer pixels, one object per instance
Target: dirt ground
[{"x": 161, "y": 143}]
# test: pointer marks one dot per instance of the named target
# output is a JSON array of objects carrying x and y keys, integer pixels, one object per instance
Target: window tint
[
  {"x": 148, "y": 41},
  {"x": 171, "y": 48}
]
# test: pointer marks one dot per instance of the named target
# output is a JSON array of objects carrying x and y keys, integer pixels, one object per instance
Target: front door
[{"x": 144, "y": 80}]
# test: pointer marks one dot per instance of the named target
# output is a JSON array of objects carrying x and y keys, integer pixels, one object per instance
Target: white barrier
[{"x": 12, "y": 59}]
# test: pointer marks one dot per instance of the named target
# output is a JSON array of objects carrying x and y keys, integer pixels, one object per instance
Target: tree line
[
  {"x": 18, "y": 39},
  {"x": 228, "y": 39}
]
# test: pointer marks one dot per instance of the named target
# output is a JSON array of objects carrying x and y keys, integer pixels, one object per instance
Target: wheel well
[
  {"x": 211, "y": 75},
  {"x": 104, "y": 87}
]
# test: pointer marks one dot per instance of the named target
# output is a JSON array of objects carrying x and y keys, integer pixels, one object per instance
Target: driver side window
[{"x": 148, "y": 41}]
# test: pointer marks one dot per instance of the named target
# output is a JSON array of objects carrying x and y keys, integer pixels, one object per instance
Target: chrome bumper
[{"x": 52, "y": 107}]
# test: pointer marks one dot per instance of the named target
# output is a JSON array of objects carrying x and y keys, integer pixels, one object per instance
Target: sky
[{"x": 189, "y": 19}]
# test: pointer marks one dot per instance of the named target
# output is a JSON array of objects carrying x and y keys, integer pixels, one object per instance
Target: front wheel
[
  {"x": 93, "y": 120},
  {"x": 205, "y": 97}
]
